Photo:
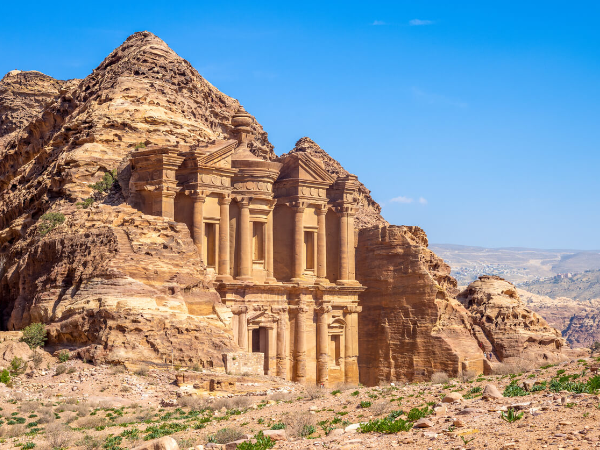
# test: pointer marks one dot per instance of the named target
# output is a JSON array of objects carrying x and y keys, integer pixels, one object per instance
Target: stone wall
[
  {"x": 241, "y": 363},
  {"x": 409, "y": 327}
]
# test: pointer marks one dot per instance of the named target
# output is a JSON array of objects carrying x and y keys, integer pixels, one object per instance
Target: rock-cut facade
[{"x": 277, "y": 236}]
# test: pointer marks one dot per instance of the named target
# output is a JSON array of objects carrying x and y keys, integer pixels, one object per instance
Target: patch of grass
[
  {"x": 416, "y": 413},
  {"x": 165, "y": 429},
  {"x": 262, "y": 443},
  {"x": 386, "y": 426},
  {"x": 511, "y": 416},
  {"x": 514, "y": 390}
]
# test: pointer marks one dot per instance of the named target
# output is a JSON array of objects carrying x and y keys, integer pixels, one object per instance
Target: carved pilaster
[
  {"x": 223, "y": 266},
  {"x": 322, "y": 344}
]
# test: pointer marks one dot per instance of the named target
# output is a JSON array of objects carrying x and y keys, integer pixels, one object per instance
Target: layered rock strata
[
  {"x": 410, "y": 325},
  {"x": 506, "y": 328}
]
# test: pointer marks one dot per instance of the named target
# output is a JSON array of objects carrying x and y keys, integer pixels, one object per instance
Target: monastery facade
[{"x": 280, "y": 238}]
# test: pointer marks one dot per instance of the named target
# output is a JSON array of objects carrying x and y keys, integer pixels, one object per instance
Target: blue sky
[{"x": 477, "y": 121}]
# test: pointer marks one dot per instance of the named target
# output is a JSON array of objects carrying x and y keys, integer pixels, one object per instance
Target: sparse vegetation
[
  {"x": 34, "y": 335},
  {"x": 63, "y": 356},
  {"x": 49, "y": 222},
  {"x": 511, "y": 416},
  {"x": 440, "y": 378}
]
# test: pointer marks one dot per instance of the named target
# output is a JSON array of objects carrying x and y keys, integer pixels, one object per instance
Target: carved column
[
  {"x": 301, "y": 343},
  {"x": 351, "y": 249},
  {"x": 343, "y": 276},
  {"x": 269, "y": 245},
  {"x": 270, "y": 357},
  {"x": 198, "y": 223},
  {"x": 282, "y": 327},
  {"x": 351, "y": 344},
  {"x": 323, "y": 344},
  {"x": 321, "y": 244},
  {"x": 245, "y": 243},
  {"x": 223, "y": 272},
  {"x": 164, "y": 204},
  {"x": 242, "y": 326},
  {"x": 298, "y": 242}
]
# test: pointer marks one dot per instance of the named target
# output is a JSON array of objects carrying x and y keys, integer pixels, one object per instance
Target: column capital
[
  {"x": 239, "y": 309},
  {"x": 298, "y": 309},
  {"x": 198, "y": 196},
  {"x": 349, "y": 210},
  {"x": 224, "y": 199},
  {"x": 322, "y": 209},
  {"x": 243, "y": 201},
  {"x": 323, "y": 309},
  {"x": 279, "y": 309},
  {"x": 299, "y": 207},
  {"x": 351, "y": 309}
]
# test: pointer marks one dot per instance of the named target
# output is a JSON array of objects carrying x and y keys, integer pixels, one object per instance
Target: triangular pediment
[
  {"x": 219, "y": 153},
  {"x": 302, "y": 166}
]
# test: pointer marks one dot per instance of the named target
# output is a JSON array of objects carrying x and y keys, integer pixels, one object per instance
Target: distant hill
[
  {"x": 581, "y": 286},
  {"x": 517, "y": 265}
]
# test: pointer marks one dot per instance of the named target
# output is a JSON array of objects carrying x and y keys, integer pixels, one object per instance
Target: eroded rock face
[
  {"x": 410, "y": 325},
  {"x": 118, "y": 285},
  {"x": 369, "y": 211},
  {"x": 504, "y": 326},
  {"x": 23, "y": 96}
]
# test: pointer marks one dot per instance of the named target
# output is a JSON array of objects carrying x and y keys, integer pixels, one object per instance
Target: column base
[
  {"x": 245, "y": 278},
  {"x": 347, "y": 283},
  {"x": 224, "y": 278},
  {"x": 270, "y": 280},
  {"x": 322, "y": 281},
  {"x": 297, "y": 280}
]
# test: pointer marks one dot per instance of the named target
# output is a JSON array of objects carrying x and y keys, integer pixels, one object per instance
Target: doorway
[{"x": 260, "y": 344}]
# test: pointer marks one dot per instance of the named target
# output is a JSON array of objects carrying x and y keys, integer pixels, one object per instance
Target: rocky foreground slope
[{"x": 81, "y": 406}]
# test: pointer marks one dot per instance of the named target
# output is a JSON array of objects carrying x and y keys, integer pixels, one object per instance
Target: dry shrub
[
  {"x": 142, "y": 416},
  {"x": 45, "y": 415},
  {"x": 296, "y": 423},
  {"x": 90, "y": 443},
  {"x": 16, "y": 397},
  {"x": 30, "y": 406},
  {"x": 227, "y": 435},
  {"x": 380, "y": 407},
  {"x": 142, "y": 371},
  {"x": 12, "y": 431},
  {"x": 440, "y": 378},
  {"x": 241, "y": 402},
  {"x": 58, "y": 436},
  {"x": 91, "y": 422},
  {"x": 281, "y": 397},
  {"x": 69, "y": 417},
  {"x": 343, "y": 387},
  {"x": 468, "y": 375},
  {"x": 118, "y": 369},
  {"x": 193, "y": 402},
  {"x": 71, "y": 401},
  {"x": 314, "y": 392},
  {"x": 513, "y": 366}
]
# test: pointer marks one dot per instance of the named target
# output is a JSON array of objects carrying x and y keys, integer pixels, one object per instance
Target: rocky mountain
[
  {"x": 583, "y": 286},
  {"x": 504, "y": 326},
  {"x": 142, "y": 93},
  {"x": 369, "y": 212}
]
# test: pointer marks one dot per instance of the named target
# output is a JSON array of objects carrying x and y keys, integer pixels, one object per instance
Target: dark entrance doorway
[{"x": 260, "y": 344}]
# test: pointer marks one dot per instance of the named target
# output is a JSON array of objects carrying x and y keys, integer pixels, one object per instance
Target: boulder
[
  {"x": 491, "y": 392},
  {"x": 453, "y": 397}
]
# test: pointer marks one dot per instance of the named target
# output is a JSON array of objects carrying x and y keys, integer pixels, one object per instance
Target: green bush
[
  {"x": 386, "y": 426},
  {"x": 49, "y": 222},
  {"x": 17, "y": 367},
  {"x": 140, "y": 145},
  {"x": 106, "y": 183},
  {"x": 514, "y": 390},
  {"x": 86, "y": 203},
  {"x": 365, "y": 404},
  {"x": 34, "y": 335},
  {"x": 63, "y": 356},
  {"x": 416, "y": 413},
  {"x": 5, "y": 377},
  {"x": 262, "y": 443}
]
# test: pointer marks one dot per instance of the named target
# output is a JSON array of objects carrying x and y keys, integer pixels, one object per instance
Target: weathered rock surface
[
  {"x": 503, "y": 325},
  {"x": 23, "y": 96},
  {"x": 410, "y": 325},
  {"x": 114, "y": 283},
  {"x": 369, "y": 211},
  {"x": 577, "y": 320},
  {"x": 119, "y": 286}
]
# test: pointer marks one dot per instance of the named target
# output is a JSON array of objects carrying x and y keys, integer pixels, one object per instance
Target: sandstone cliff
[
  {"x": 410, "y": 325},
  {"x": 504, "y": 326},
  {"x": 369, "y": 211},
  {"x": 23, "y": 96},
  {"x": 115, "y": 283}
]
